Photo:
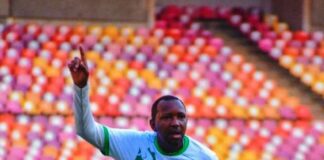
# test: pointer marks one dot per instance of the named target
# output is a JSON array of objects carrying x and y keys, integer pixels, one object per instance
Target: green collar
[{"x": 180, "y": 151}]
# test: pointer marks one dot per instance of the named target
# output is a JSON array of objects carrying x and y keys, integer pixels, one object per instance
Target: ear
[{"x": 152, "y": 124}]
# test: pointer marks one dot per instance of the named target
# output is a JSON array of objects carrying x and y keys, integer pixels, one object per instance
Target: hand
[{"x": 79, "y": 69}]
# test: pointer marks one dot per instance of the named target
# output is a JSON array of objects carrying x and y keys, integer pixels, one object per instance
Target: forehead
[{"x": 174, "y": 105}]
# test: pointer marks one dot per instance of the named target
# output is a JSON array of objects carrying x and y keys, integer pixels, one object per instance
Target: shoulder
[{"x": 203, "y": 150}]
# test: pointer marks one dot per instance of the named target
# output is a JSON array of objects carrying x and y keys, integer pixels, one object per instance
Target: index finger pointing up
[{"x": 82, "y": 55}]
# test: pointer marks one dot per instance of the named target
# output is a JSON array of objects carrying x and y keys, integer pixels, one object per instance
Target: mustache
[{"x": 175, "y": 131}]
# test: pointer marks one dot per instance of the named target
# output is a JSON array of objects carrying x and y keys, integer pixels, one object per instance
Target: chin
[{"x": 175, "y": 141}]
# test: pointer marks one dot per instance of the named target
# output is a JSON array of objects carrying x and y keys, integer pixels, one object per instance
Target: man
[{"x": 168, "y": 121}]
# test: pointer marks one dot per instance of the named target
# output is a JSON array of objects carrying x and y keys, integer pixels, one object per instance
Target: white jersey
[{"x": 129, "y": 144}]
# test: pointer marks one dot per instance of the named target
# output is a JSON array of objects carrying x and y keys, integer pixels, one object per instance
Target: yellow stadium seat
[
  {"x": 40, "y": 62},
  {"x": 239, "y": 111},
  {"x": 155, "y": 83},
  {"x": 249, "y": 155},
  {"x": 93, "y": 56},
  {"x": 50, "y": 151},
  {"x": 17, "y": 96},
  {"x": 95, "y": 30},
  {"x": 111, "y": 31}
]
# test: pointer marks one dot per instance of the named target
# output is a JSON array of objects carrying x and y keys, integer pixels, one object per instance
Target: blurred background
[{"x": 251, "y": 73}]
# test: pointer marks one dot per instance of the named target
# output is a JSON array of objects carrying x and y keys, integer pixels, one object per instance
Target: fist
[{"x": 79, "y": 70}]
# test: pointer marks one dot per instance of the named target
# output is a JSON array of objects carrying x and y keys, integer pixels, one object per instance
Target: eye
[
  {"x": 166, "y": 117},
  {"x": 181, "y": 116}
]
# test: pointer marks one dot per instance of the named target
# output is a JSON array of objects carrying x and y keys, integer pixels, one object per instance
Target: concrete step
[{"x": 273, "y": 70}]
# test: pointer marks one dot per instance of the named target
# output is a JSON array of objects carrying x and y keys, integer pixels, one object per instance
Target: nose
[{"x": 175, "y": 122}]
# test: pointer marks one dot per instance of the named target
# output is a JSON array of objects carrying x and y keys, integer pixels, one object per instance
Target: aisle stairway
[{"x": 252, "y": 54}]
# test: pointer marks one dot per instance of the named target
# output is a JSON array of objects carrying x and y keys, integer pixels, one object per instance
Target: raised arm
[{"x": 86, "y": 126}]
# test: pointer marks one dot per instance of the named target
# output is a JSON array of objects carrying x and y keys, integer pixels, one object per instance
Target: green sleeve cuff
[{"x": 105, "y": 150}]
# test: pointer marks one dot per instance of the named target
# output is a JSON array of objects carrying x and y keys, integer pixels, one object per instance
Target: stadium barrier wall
[
  {"x": 4, "y": 8},
  {"x": 139, "y": 11}
]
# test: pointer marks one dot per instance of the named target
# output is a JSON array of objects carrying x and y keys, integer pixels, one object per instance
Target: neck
[{"x": 168, "y": 147}]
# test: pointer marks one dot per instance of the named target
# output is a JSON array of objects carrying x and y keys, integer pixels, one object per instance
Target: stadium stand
[{"x": 234, "y": 108}]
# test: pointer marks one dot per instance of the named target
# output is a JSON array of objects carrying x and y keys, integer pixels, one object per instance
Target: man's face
[{"x": 171, "y": 121}]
